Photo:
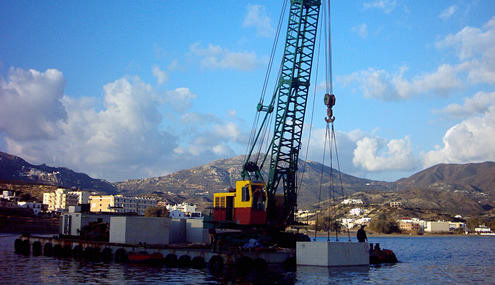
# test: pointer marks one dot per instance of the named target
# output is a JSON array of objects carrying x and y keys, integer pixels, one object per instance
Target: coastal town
[{"x": 354, "y": 212}]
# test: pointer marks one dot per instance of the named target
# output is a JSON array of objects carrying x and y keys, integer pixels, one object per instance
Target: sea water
[{"x": 422, "y": 260}]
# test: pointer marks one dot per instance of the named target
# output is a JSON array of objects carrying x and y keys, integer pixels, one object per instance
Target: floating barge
[
  {"x": 183, "y": 243},
  {"x": 174, "y": 255}
]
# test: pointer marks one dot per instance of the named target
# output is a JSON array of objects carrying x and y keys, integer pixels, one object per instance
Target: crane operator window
[
  {"x": 259, "y": 198},
  {"x": 245, "y": 193}
]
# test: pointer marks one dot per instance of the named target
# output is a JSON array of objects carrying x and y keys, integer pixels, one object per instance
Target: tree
[
  {"x": 382, "y": 224},
  {"x": 156, "y": 212},
  {"x": 26, "y": 197},
  {"x": 326, "y": 224}
]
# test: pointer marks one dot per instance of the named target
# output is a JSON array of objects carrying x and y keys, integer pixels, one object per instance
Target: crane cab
[{"x": 246, "y": 205}]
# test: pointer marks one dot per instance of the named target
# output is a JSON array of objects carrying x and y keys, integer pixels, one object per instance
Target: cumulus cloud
[
  {"x": 216, "y": 57},
  {"x": 449, "y": 12},
  {"x": 180, "y": 99},
  {"x": 113, "y": 142},
  {"x": 475, "y": 48},
  {"x": 256, "y": 17},
  {"x": 30, "y": 104},
  {"x": 378, "y": 154},
  {"x": 380, "y": 84},
  {"x": 208, "y": 135},
  {"x": 480, "y": 103},
  {"x": 125, "y": 137},
  {"x": 472, "y": 140},
  {"x": 362, "y": 153},
  {"x": 386, "y": 5}
]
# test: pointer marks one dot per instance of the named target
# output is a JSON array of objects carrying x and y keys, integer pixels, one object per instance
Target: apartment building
[
  {"x": 120, "y": 204},
  {"x": 61, "y": 199}
]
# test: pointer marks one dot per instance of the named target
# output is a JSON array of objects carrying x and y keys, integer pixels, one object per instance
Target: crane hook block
[
  {"x": 329, "y": 100},
  {"x": 330, "y": 118}
]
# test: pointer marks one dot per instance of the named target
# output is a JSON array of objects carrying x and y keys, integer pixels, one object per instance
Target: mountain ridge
[{"x": 464, "y": 188}]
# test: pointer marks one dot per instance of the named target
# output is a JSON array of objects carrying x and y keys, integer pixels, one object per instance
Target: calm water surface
[{"x": 423, "y": 260}]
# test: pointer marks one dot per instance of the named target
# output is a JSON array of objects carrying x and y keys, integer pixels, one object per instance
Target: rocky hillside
[
  {"x": 220, "y": 175},
  {"x": 450, "y": 188},
  {"x": 16, "y": 169},
  {"x": 477, "y": 177}
]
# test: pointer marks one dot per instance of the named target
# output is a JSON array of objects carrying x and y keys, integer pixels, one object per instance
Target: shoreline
[{"x": 373, "y": 235}]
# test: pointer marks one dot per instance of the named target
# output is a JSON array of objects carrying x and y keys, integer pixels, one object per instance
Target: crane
[{"x": 255, "y": 200}]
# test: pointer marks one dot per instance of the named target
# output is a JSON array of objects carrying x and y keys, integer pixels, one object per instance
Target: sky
[{"x": 137, "y": 89}]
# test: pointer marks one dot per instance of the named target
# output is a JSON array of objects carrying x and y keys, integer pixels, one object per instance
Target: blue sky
[{"x": 135, "y": 89}]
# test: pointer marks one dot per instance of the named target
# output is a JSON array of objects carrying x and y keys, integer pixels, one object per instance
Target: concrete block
[{"x": 332, "y": 253}]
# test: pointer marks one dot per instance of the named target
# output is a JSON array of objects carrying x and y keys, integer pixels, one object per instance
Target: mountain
[
  {"x": 16, "y": 169},
  {"x": 220, "y": 175},
  {"x": 466, "y": 189},
  {"x": 470, "y": 177}
]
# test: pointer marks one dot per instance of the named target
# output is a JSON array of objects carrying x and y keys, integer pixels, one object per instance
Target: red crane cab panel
[{"x": 245, "y": 206}]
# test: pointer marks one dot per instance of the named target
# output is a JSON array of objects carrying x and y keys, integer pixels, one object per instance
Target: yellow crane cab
[{"x": 245, "y": 205}]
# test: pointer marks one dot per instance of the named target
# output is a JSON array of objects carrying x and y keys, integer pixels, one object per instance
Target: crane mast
[
  {"x": 290, "y": 97},
  {"x": 254, "y": 201}
]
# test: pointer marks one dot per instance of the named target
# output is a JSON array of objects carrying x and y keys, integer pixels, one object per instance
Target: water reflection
[
  {"x": 423, "y": 260},
  {"x": 329, "y": 274}
]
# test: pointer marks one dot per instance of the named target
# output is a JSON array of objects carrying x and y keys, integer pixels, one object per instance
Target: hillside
[
  {"x": 16, "y": 169},
  {"x": 466, "y": 189},
  {"x": 220, "y": 175},
  {"x": 470, "y": 177}
]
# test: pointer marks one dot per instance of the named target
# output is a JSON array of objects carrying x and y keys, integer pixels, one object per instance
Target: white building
[
  {"x": 363, "y": 221},
  {"x": 355, "y": 212},
  {"x": 189, "y": 210},
  {"x": 352, "y": 201},
  {"x": 176, "y": 214},
  {"x": 61, "y": 199},
  {"x": 31, "y": 205},
  {"x": 482, "y": 229},
  {"x": 457, "y": 226},
  {"x": 439, "y": 226},
  {"x": 348, "y": 222},
  {"x": 10, "y": 195},
  {"x": 121, "y": 204}
]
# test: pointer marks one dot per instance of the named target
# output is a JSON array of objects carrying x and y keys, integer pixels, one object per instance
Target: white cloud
[
  {"x": 449, "y": 12},
  {"x": 180, "y": 99},
  {"x": 377, "y": 154},
  {"x": 229, "y": 130},
  {"x": 111, "y": 143},
  {"x": 208, "y": 135},
  {"x": 364, "y": 154},
  {"x": 480, "y": 103},
  {"x": 384, "y": 86},
  {"x": 472, "y": 140},
  {"x": 386, "y": 5},
  {"x": 160, "y": 75},
  {"x": 256, "y": 17},
  {"x": 475, "y": 48},
  {"x": 30, "y": 103},
  {"x": 361, "y": 30},
  {"x": 123, "y": 138},
  {"x": 214, "y": 57}
]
